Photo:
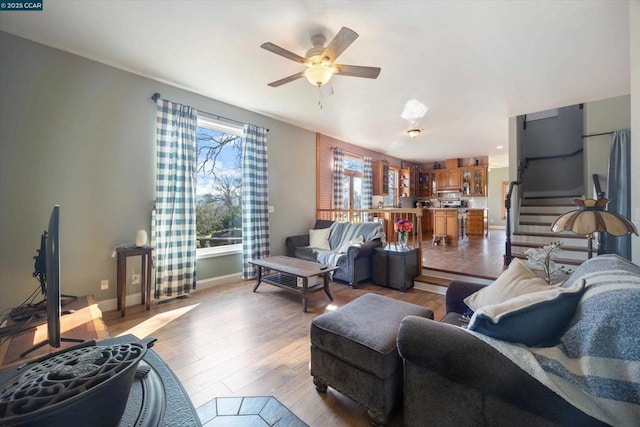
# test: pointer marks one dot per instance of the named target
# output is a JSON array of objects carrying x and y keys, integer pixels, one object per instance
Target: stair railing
[
  {"x": 599, "y": 195},
  {"x": 507, "y": 205},
  {"x": 596, "y": 184}
]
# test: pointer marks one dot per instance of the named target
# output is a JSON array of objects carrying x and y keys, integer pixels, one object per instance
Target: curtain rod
[
  {"x": 157, "y": 95},
  {"x": 597, "y": 134},
  {"x": 349, "y": 152}
]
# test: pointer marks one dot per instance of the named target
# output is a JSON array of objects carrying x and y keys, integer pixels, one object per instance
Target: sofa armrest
[
  {"x": 454, "y": 353},
  {"x": 293, "y": 242},
  {"x": 457, "y": 291},
  {"x": 449, "y": 350},
  {"x": 364, "y": 250},
  {"x": 463, "y": 360}
]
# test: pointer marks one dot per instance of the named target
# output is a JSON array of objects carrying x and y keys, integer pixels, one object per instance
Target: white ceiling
[{"x": 474, "y": 64}]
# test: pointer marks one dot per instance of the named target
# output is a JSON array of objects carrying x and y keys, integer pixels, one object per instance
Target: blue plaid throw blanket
[
  {"x": 344, "y": 232},
  {"x": 596, "y": 364}
]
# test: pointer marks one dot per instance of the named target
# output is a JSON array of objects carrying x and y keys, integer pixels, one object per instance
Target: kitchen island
[
  {"x": 456, "y": 223},
  {"x": 450, "y": 222}
]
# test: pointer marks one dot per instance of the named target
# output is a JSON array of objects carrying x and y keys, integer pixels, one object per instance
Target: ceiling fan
[{"x": 320, "y": 60}]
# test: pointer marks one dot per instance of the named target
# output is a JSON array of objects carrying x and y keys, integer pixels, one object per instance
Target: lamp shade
[
  {"x": 319, "y": 73},
  {"x": 590, "y": 217}
]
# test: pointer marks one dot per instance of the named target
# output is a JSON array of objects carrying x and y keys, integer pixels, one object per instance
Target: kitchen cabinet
[
  {"x": 476, "y": 222},
  {"x": 448, "y": 179},
  {"x": 380, "y": 178},
  {"x": 427, "y": 184},
  {"x": 474, "y": 181},
  {"x": 445, "y": 221},
  {"x": 427, "y": 221},
  {"x": 407, "y": 183}
]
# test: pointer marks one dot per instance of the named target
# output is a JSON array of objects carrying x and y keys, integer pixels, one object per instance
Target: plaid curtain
[
  {"x": 367, "y": 186},
  {"x": 255, "y": 198},
  {"x": 338, "y": 186},
  {"x": 173, "y": 228}
]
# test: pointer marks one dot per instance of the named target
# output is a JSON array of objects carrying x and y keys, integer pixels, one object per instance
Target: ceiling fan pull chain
[{"x": 320, "y": 100}]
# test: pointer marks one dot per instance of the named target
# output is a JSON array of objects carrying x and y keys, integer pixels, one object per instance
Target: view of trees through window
[
  {"x": 352, "y": 184},
  {"x": 218, "y": 185}
]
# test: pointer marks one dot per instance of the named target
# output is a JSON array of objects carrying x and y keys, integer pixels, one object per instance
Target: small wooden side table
[{"x": 145, "y": 274}]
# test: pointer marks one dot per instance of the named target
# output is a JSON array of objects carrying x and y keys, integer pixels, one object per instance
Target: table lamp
[{"x": 590, "y": 217}]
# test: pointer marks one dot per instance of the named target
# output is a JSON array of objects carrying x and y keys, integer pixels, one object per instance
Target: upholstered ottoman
[{"x": 353, "y": 350}]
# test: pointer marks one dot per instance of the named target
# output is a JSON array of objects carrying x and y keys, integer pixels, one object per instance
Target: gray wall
[
  {"x": 81, "y": 134},
  {"x": 551, "y": 137},
  {"x": 602, "y": 117}
]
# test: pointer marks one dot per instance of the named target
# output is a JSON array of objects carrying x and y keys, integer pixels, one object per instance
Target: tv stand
[
  {"x": 45, "y": 342},
  {"x": 84, "y": 321}
]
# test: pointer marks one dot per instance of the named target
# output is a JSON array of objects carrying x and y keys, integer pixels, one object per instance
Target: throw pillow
[
  {"x": 516, "y": 280},
  {"x": 532, "y": 319},
  {"x": 319, "y": 238},
  {"x": 354, "y": 242}
]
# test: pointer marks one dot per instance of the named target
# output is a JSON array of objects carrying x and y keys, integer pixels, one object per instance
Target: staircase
[{"x": 534, "y": 230}]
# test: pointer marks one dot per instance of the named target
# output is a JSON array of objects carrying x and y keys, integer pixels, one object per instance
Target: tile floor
[{"x": 258, "y": 411}]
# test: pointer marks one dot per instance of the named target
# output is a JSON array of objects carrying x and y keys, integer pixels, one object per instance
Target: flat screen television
[
  {"x": 50, "y": 281},
  {"x": 53, "y": 278}
]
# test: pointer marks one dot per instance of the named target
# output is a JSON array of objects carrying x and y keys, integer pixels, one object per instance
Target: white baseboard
[
  {"x": 216, "y": 281},
  {"x": 135, "y": 299},
  {"x": 112, "y": 303}
]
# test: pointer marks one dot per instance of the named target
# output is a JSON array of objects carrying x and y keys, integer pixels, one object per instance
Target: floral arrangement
[
  {"x": 402, "y": 225},
  {"x": 545, "y": 257}
]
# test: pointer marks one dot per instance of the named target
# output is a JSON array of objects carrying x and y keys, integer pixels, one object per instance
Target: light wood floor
[
  {"x": 228, "y": 341},
  {"x": 475, "y": 256}
]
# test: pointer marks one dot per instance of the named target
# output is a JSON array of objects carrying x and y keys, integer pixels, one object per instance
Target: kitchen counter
[
  {"x": 431, "y": 208},
  {"x": 465, "y": 208}
]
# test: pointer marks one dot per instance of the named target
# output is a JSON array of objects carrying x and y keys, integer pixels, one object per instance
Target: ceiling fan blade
[
  {"x": 283, "y": 52},
  {"x": 287, "y": 79},
  {"x": 357, "y": 71},
  {"x": 340, "y": 42}
]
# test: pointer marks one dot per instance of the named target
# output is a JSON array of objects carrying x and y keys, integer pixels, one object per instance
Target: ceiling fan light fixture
[
  {"x": 319, "y": 73},
  {"x": 414, "y": 132}
]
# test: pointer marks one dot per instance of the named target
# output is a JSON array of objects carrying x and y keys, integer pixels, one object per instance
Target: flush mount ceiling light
[{"x": 414, "y": 132}]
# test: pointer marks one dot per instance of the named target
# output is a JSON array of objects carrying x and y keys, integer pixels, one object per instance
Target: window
[
  {"x": 352, "y": 184},
  {"x": 218, "y": 187}
]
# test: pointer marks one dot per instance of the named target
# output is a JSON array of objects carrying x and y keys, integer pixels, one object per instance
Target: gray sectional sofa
[{"x": 457, "y": 377}]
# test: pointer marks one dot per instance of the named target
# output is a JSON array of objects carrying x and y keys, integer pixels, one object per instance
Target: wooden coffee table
[{"x": 287, "y": 271}]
